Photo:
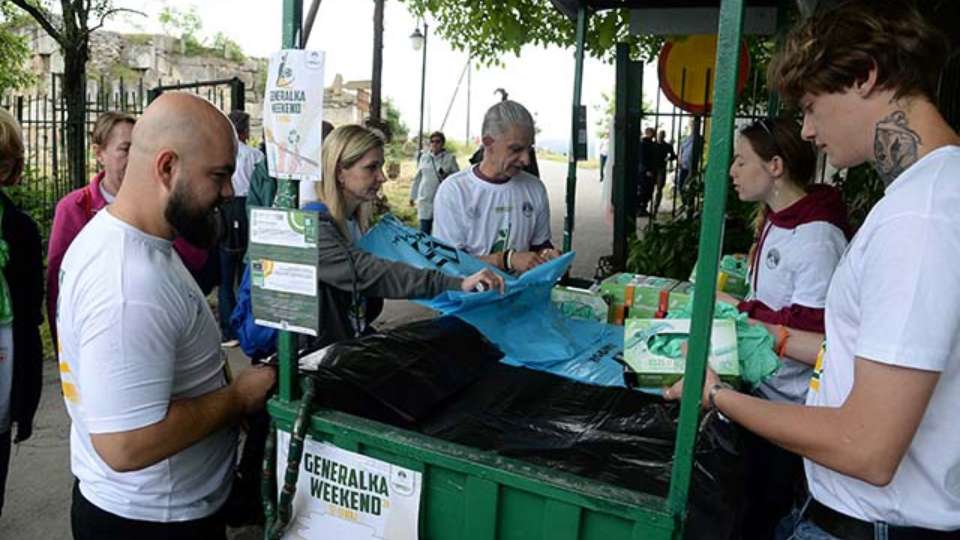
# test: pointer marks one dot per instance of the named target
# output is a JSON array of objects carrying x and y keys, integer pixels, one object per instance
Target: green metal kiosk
[{"x": 471, "y": 494}]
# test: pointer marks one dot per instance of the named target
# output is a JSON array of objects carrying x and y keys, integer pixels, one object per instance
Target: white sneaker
[{"x": 229, "y": 344}]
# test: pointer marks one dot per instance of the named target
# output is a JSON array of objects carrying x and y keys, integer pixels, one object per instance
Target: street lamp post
[{"x": 419, "y": 41}]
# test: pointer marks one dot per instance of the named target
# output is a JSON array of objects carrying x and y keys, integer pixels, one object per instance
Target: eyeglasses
[{"x": 438, "y": 141}]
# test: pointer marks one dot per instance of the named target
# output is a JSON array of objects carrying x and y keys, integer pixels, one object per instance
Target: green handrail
[{"x": 711, "y": 239}]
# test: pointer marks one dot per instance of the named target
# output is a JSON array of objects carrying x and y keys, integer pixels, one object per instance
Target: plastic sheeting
[
  {"x": 441, "y": 378},
  {"x": 523, "y": 323}
]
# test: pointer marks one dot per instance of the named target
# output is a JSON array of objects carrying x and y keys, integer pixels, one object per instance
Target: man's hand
[
  {"x": 675, "y": 392},
  {"x": 486, "y": 278},
  {"x": 252, "y": 386},
  {"x": 521, "y": 261},
  {"x": 549, "y": 254}
]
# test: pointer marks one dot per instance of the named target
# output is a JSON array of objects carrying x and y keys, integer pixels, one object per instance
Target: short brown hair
[
  {"x": 105, "y": 123},
  {"x": 440, "y": 135},
  {"x": 835, "y": 48}
]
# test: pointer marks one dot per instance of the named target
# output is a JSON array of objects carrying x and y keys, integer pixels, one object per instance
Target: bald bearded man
[{"x": 153, "y": 420}]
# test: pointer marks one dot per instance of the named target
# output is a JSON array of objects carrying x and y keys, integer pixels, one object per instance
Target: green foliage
[
  {"x": 14, "y": 52},
  {"x": 490, "y": 29},
  {"x": 861, "y": 189},
  {"x": 29, "y": 196},
  {"x": 184, "y": 24},
  {"x": 666, "y": 248},
  {"x": 231, "y": 49},
  {"x": 398, "y": 129}
]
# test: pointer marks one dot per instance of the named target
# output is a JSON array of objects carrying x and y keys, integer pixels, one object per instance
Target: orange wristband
[{"x": 782, "y": 337}]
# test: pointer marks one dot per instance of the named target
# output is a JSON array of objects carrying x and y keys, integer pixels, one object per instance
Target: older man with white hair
[{"x": 494, "y": 210}]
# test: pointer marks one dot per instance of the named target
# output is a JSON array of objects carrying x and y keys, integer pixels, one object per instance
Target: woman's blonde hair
[
  {"x": 342, "y": 148},
  {"x": 11, "y": 149}
]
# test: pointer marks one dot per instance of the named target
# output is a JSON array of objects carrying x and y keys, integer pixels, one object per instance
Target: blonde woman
[{"x": 21, "y": 301}]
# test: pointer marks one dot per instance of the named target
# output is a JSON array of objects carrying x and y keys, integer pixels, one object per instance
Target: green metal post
[
  {"x": 711, "y": 240},
  {"x": 628, "y": 111},
  {"x": 287, "y": 194},
  {"x": 582, "y": 18}
]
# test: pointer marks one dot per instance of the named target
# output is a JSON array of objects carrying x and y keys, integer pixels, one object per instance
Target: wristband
[
  {"x": 714, "y": 390},
  {"x": 510, "y": 253},
  {"x": 503, "y": 259},
  {"x": 782, "y": 337}
]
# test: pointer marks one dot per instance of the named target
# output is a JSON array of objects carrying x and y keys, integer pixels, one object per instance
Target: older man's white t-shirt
[
  {"x": 135, "y": 333},
  {"x": 483, "y": 217}
]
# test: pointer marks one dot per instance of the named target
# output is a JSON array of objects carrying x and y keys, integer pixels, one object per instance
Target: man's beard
[{"x": 200, "y": 227}]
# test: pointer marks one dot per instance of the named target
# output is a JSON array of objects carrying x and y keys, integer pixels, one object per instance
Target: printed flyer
[
  {"x": 349, "y": 496},
  {"x": 293, "y": 114}
]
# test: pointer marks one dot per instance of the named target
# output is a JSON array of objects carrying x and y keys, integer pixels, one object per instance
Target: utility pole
[{"x": 375, "y": 100}]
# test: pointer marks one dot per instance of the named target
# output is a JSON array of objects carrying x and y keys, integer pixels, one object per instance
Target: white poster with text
[
  {"x": 349, "y": 496},
  {"x": 293, "y": 114}
]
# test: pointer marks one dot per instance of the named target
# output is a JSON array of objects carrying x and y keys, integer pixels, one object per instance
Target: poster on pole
[
  {"x": 283, "y": 269},
  {"x": 349, "y": 496},
  {"x": 293, "y": 114}
]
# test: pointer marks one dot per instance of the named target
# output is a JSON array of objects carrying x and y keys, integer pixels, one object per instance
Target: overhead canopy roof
[{"x": 570, "y": 7}]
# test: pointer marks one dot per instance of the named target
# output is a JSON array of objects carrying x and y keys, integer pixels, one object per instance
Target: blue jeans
[
  {"x": 797, "y": 527},
  {"x": 426, "y": 226},
  {"x": 231, "y": 269}
]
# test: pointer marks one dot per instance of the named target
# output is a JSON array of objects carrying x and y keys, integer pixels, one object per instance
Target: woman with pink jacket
[{"x": 111, "y": 142}]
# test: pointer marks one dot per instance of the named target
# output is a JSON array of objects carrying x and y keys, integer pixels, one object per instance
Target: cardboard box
[
  {"x": 680, "y": 296},
  {"x": 654, "y": 369},
  {"x": 579, "y": 303},
  {"x": 732, "y": 276},
  {"x": 641, "y": 295}
]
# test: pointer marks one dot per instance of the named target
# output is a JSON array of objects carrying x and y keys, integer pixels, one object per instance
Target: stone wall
[{"x": 159, "y": 60}]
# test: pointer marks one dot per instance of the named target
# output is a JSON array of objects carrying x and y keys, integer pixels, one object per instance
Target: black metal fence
[{"x": 42, "y": 116}]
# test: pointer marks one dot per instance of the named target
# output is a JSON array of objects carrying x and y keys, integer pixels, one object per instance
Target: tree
[
  {"x": 14, "y": 52},
  {"x": 489, "y": 29},
  {"x": 398, "y": 129},
  {"x": 71, "y": 30}
]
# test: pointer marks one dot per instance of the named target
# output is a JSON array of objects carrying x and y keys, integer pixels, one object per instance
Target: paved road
[{"x": 592, "y": 236}]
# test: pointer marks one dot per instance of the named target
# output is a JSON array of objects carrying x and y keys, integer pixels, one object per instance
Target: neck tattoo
[{"x": 895, "y": 147}]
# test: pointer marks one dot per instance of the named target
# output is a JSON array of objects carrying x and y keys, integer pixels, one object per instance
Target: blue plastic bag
[{"x": 523, "y": 322}]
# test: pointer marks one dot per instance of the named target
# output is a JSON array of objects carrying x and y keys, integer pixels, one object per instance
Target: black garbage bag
[
  {"x": 442, "y": 378},
  {"x": 401, "y": 376},
  {"x": 614, "y": 435}
]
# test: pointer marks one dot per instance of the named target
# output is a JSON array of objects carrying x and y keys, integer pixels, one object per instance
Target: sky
[{"x": 541, "y": 78}]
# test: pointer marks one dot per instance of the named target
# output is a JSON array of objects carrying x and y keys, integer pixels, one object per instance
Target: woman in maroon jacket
[{"x": 801, "y": 233}]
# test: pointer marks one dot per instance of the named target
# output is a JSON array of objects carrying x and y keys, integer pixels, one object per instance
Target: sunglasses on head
[{"x": 766, "y": 124}]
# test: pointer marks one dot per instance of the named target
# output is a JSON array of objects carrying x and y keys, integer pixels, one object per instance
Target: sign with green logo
[
  {"x": 283, "y": 269},
  {"x": 345, "y": 495}
]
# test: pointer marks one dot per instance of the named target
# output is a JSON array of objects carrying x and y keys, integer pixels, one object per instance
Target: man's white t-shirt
[
  {"x": 135, "y": 333},
  {"x": 895, "y": 299},
  {"x": 482, "y": 217}
]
